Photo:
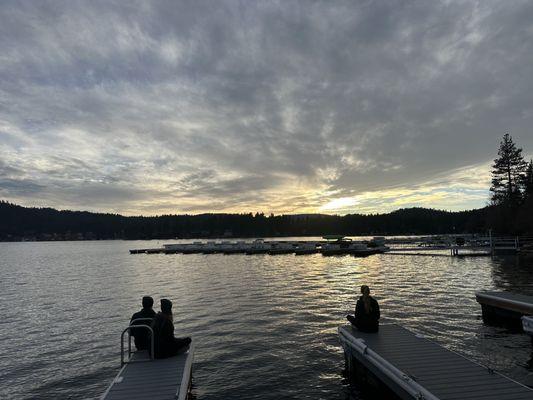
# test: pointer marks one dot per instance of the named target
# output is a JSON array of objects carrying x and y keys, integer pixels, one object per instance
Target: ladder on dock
[{"x": 413, "y": 367}]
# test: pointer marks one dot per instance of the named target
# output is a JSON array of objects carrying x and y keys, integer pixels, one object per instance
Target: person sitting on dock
[
  {"x": 142, "y": 335},
  {"x": 367, "y": 315},
  {"x": 165, "y": 344}
]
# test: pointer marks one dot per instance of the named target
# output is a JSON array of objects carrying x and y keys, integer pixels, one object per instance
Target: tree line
[
  {"x": 21, "y": 223},
  {"x": 510, "y": 212}
]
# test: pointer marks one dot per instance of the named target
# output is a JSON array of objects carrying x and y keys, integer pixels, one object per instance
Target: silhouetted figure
[
  {"x": 165, "y": 344},
  {"x": 367, "y": 315},
  {"x": 142, "y": 335}
]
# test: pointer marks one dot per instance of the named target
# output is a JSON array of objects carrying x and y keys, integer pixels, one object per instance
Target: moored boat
[
  {"x": 212, "y": 248},
  {"x": 258, "y": 246},
  {"x": 234, "y": 248},
  {"x": 306, "y": 248},
  {"x": 194, "y": 247},
  {"x": 336, "y": 245},
  {"x": 282, "y": 248}
]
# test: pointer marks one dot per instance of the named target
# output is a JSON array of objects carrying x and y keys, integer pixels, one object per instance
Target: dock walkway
[
  {"x": 165, "y": 379},
  {"x": 416, "y": 368}
]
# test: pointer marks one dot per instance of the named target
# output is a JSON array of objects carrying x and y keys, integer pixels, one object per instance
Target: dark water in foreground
[{"x": 265, "y": 326}]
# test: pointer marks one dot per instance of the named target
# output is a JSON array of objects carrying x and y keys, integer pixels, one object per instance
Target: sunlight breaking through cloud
[{"x": 289, "y": 108}]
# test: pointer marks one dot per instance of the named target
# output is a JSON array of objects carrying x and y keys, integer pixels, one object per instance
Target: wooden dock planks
[
  {"x": 166, "y": 379},
  {"x": 425, "y": 365}
]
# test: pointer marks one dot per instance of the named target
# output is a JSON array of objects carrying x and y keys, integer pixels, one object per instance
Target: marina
[
  {"x": 460, "y": 245},
  {"x": 413, "y": 367},
  {"x": 334, "y": 245}
]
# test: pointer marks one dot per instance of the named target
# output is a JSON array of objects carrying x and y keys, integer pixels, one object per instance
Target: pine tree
[
  {"x": 528, "y": 181},
  {"x": 508, "y": 172}
]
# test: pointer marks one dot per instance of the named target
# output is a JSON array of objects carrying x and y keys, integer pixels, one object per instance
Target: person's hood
[{"x": 166, "y": 306}]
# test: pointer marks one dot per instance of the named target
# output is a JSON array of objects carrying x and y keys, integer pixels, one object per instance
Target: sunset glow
[{"x": 262, "y": 107}]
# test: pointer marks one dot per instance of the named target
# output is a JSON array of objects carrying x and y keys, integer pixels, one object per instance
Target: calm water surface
[{"x": 265, "y": 326}]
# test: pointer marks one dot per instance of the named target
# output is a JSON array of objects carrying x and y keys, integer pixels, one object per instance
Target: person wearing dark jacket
[
  {"x": 165, "y": 344},
  {"x": 142, "y": 335},
  {"x": 367, "y": 314}
]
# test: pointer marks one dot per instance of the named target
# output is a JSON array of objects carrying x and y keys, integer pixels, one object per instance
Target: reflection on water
[{"x": 265, "y": 326}]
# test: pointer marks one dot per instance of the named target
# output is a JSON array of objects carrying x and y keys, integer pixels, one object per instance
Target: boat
[
  {"x": 258, "y": 246},
  {"x": 306, "y": 248},
  {"x": 194, "y": 247},
  {"x": 378, "y": 242},
  {"x": 212, "y": 248},
  {"x": 336, "y": 245},
  {"x": 234, "y": 248},
  {"x": 282, "y": 248}
]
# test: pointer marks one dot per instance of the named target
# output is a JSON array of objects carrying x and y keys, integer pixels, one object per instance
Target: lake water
[{"x": 265, "y": 327}]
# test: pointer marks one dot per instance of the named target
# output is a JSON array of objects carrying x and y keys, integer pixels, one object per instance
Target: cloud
[
  {"x": 283, "y": 107},
  {"x": 464, "y": 188}
]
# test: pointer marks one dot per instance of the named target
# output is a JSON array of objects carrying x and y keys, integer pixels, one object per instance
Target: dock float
[
  {"x": 504, "y": 305},
  {"x": 408, "y": 366},
  {"x": 142, "y": 377}
]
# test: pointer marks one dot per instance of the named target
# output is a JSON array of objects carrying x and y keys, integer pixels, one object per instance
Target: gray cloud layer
[{"x": 277, "y": 106}]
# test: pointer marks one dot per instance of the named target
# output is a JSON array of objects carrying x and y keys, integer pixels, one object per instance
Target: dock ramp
[
  {"x": 166, "y": 379},
  {"x": 144, "y": 378},
  {"x": 413, "y": 367}
]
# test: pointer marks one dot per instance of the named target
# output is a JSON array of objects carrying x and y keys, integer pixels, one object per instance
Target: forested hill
[{"x": 21, "y": 223}]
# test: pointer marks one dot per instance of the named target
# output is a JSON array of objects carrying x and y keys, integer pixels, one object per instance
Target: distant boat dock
[
  {"x": 459, "y": 245},
  {"x": 332, "y": 245},
  {"x": 453, "y": 245},
  {"x": 405, "y": 365}
]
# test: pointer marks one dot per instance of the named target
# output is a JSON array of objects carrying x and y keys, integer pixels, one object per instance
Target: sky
[{"x": 260, "y": 106}]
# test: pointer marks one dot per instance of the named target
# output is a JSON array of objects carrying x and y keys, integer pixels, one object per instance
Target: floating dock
[
  {"x": 259, "y": 246},
  {"x": 340, "y": 245},
  {"x": 143, "y": 378},
  {"x": 408, "y": 366},
  {"x": 504, "y": 305}
]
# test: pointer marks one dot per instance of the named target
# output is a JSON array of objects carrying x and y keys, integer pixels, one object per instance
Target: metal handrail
[
  {"x": 134, "y": 322},
  {"x": 128, "y": 329},
  {"x": 399, "y": 377}
]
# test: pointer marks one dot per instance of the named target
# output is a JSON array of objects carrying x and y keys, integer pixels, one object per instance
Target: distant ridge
[{"x": 27, "y": 223}]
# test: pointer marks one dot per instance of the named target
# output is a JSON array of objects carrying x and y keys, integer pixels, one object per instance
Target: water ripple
[{"x": 265, "y": 327}]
